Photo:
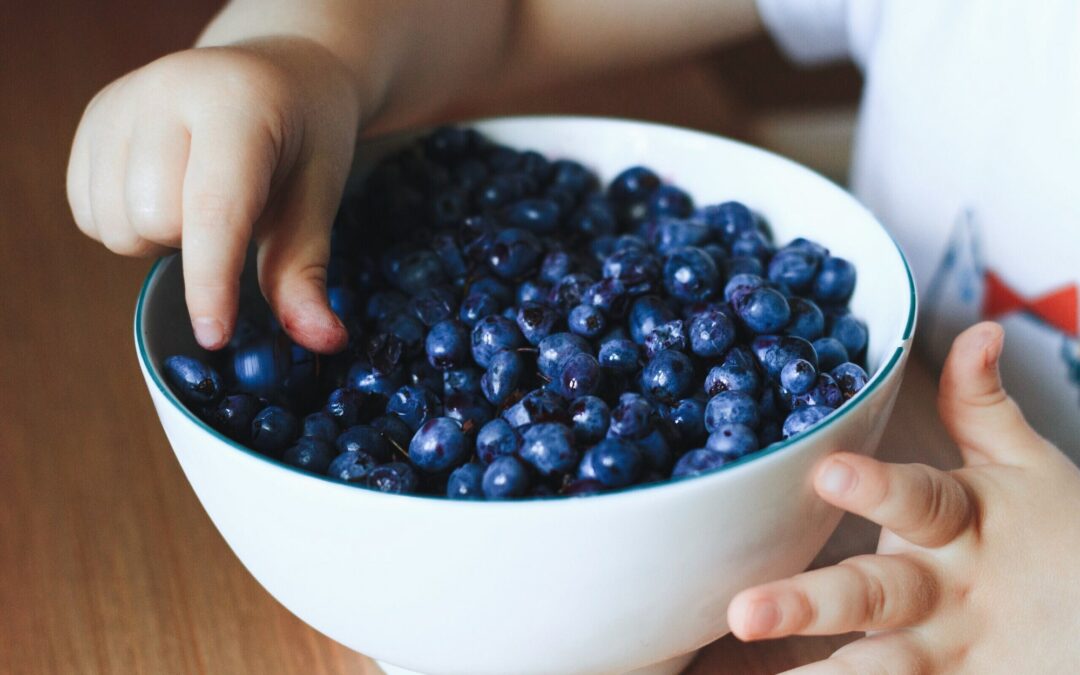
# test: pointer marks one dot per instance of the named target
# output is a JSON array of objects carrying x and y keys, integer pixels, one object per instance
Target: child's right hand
[{"x": 208, "y": 149}]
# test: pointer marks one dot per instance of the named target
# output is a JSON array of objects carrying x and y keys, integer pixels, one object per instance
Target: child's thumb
[
  {"x": 293, "y": 254},
  {"x": 982, "y": 419}
]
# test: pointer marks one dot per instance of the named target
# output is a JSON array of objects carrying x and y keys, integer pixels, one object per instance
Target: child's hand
[
  {"x": 208, "y": 149},
  {"x": 976, "y": 569}
]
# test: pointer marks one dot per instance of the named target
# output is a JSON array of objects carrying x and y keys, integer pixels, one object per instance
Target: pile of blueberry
[{"x": 519, "y": 330}]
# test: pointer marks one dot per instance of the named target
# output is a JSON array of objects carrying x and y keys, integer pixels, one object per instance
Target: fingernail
[
  {"x": 763, "y": 617},
  {"x": 209, "y": 333},
  {"x": 838, "y": 479}
]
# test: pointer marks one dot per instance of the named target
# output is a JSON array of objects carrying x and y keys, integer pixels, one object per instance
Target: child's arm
[
  {"x": 251, "y": 135},
  {"x": 976, "y": 568}
]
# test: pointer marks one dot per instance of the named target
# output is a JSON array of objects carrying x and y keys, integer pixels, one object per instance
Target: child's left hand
[{"x": 977, "y": 570}]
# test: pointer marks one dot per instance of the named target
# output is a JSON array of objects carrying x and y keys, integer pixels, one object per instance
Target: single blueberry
[
  {"x": 743, "y": 264},
  {"x": 571, "y": 175},
  {"x": 320, "y": 425},
  {"x": 739, "y": 286},
  {"x": 831, "y": 353},
  {"x": 728, "y": 220},
  {"x": 850, "y": 377},
  {"x": 438, "y": 445},
  {"x": 807, "y": 321},
  {"x": 616, "y": 463},
  {"x": 732, "y": 377},
  {"x": 632, "y": 418},
  {"x": 342, "y": 301},
  {"x": 620, "y": 355},
  {"x": 311, "y": 454},
  {"x": 668, "y": 377},
  {"x": 433, "y": 305},
  {"x": 367, "y": 378},
  {"x": 798, "y": 376},
  {"x": 556, "y": 265},
  {"x": 396, "y": 432},
  {"x": 586, "y": 321},
  {"x": 656, "y": 452},
  {"x": 495, "y": 439},
  {"x": 260, "y": 366},
  {"x": 514, "y": 253},
  {"x": 497, "y": 288},
  {"x": 835, "y": 281},
  {"x": 471, "y": 411},
  {"x": 687, "y": 420},
  {"x": 536, "y": 215},
  {"x": 580, "y": 375},
  {"x": 382, "y": 304},
  {"x": 549, "y": 448},
  {"x": 774, "y": 351},
  {"x": 803, "y": 418},
  {"x": 555, "y": 350},
  {"x": 536, "y": 321},
  {"x": 794, "y": 268},
  {"x": 711, "y": 333},
  {"x": 569, "y": 291},
  {"x": 272, "y": 430},
  {"x": 395, "y": 478},
  {"x": 491, "y": 335},
  {"x": 668, "y": 200},
  {"x": 413, "y": 404},
  {"x": 763, "y": 310},
  {"x": 699, "y": 461},
  {"x": 531, "y": 290},
  {"x": 445, "y": 245},
  {"x": 466, "y": 482},
  {"x": 505, "y": 478},
  {"x": 462, "y": 379},
  {"x": 367, "y": 439},
  {"x": 609, "y": 296},
  {"x": 345, "y": 406},
  {"x": 503, "y": 376},
  {"x": 193, "y": 381},
  {"x": 233, "y": 416},
  {"x": 752, "y": 244},
  {"x": 732, "y": 440},
  {"x": 851, "y": 333},
  {"x": 589, "y": 418},
  {"x": 646, "y": 314},
  {"x": 539, "y": 405},
  {"x": 731, "y": 407},
  {"x": 690, "y": 274},
  {"x": 670, "y": 234},
  {"x": 419, "y": 270},
  {"x": 635, "y": 268},
  {"x": 824, "y": 392},
  {"x": 447, "y": 345},
  {"x": 594, "y": 217},
  {"x": 670, "y": 335},
  {"x": 351, "y": 467},
  {"x": 635, "y": 184},
  {"x": 476, "y": 306}
]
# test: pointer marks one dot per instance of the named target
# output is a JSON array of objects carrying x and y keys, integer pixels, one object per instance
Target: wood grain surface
[{"x": 108, "y": 564}]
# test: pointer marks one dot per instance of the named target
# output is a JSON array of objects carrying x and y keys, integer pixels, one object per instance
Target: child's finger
[
  {"x": 865, "y": 593},
  {"x": 78, "y": 182},
  {"x": 226, "y": 184},
  {"x": 293, "y": 253},
  {"x": 923, "y": 505},
  {"x": 893, "y": 653},
  {"x": 980, "y": 416},
  {"x": 154, "y": 182},
  {"x": 108, "y": 158}
]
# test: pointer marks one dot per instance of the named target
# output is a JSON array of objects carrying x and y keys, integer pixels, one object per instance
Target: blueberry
[
  {"x": 407, "y": 329},
  {"x": 503, "y": 376},
  {"x": 514, "y": 253},
  {"x": 462, "y": 379},
  {"x": 711, "y": 333},
  {"x": 580, "y": 375},
  {"x": 491, "y": 335},
  {"x": 690, "y": 274},
  {"x": 496, "y": 288},
  {"x": 320, "y": 425},
  {"x": 311, "y": 454},
  {"x": 466, "y": 482},
  {"x": 351, "y": 467},
  {"x": 668, "y": 377},
  {"x": 619, "y": 355},
  {"x": 594, "y": 217},
  {"x": 433, "y": 305},
  {"x": 536, "y": 321},
  {"x": 395, "y": 478},
  {"x": 740, "y": 285},
  {"x": 345, "y": 406},
  {"x": 555, "y": 350},
  {"x": 447, "y": 345},
  {"x": 396, "y": 432},
  {"x": 582, "y": 487},
  {"x": 438, "y": 445},
  {"x": 419, "y": 270},
  {"x": 505, "y": 478},
  {"x": 835, "y": 281},
  {"x": 589, "y": 418},
  {"x": 632, "y": 419},
  {"x": 233, "y": 416},
  {"x": 549, "y": 448},
  {"x": 668, "y": 200},
  {"x": 752, "y": 244},
  {"x": 495, "y": 439},
  {"x": 616, "y": 463},
  {"x": 773, "y": 352},
  {"x": 728, "y": 220},
  {"x": 851, "y": 333},
  {"x": 807, "y": 321},
  {"x": 798, "y": 376},
  {"x": 383, "y": 304},
  {"x": 687, "y": 419},
  {"x": 586, "y": 321},
  {"x": 743, "y": 264},
  {"x": 556, "y": 265},
  {"x": 656, "y": 452},
  {"x": 446, "y": 144},
  {"x": 536, "y": 215},
  {"x": 671, "y": 234},
  {"x": 635, "y": 268},
  {"x": 196, "y": 383},
  {"x": 699, "y": 461},
  {"x": 850, "y": 377},
  {"x": 831, "y": 353},
  {"x": 469, "y": 410},
  {"x": 532, "y": 291},
  {"x": 802, "y": 419},
  {"x": 272, "y": 430},
  {"x": 794, "y": 268},
  {"x": 635, "y": 184},
  {"x": 569, "y": 291},
  {"x": 497, "y": 191},
  {"x": 342, "y": 301},
  {"x": 539, "y": 405},
  {"x": 825, "y": 392},
  {"x": 731, "y": 407},
  {"x": 646, "y": 314},
  {"x": 476, "y": 306},
  {"x": 609, "y": 296},
  {"x": 413, "y": 404},
  {"x": 571, "y": 175},
  {"x": 763, "y": 310},
  {"x": 670, "y": 335},
  {"x": 382, "y": 378},
  {"x": 732, "y": 440},
  {"x": 732, "y": 377},
  {"x": 367, "y": 439},
  {"x": 450, "y": 255}
]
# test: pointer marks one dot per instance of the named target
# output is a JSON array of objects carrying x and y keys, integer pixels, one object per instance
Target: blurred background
[{"x": 107, "y": 561}]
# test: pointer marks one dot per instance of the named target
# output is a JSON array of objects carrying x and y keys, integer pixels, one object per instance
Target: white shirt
[{"x": 968, "y": 150}]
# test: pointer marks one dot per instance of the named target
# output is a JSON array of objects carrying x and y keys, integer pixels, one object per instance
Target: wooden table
[{"x": 107, "y": 562}]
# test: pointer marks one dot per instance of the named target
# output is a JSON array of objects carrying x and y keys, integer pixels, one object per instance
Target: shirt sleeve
[{"x": 815, "y": 32}]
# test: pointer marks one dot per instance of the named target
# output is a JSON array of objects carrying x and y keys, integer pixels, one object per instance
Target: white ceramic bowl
[{"x": 638, "y": 579}]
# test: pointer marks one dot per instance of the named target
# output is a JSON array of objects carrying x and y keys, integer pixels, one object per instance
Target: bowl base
[{"x": 672, "y": 666}]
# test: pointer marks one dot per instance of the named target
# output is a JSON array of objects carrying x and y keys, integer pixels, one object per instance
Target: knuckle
[
  {"x": 123, "y": 243},
  {"x": 154, "y": 222}
]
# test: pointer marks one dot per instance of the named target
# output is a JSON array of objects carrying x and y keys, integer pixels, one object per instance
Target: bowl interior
[{"x": 794, "y": 200}]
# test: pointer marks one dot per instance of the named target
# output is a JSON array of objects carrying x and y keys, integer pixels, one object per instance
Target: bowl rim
[{"x": 880, "y": 375}]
